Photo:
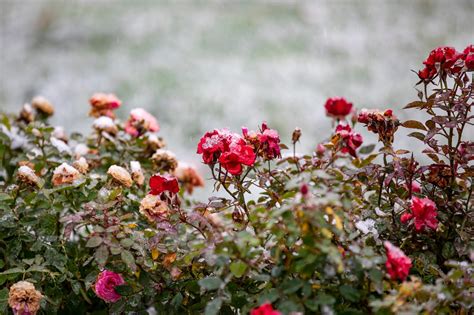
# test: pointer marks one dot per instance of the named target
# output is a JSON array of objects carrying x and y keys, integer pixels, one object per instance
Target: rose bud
[
  {"x": 154, "y": 209},
  {"x": 27, "y": 114},
  {"x": 137, "y": 173},
  {"x": 120, "y": 175},
  {"x": 42, "y": 105},
  {"x": 24, "y": 299},
  {"x": 106, "y": 124},
  {"x": 295, "y": 137},
  {"x": 64, "y": 174},
  {"x": 81, "y": 165},
  {"x": 105, "y": 284}
]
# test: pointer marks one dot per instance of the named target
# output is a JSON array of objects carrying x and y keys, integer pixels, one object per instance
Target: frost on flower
[
  {"x": 367, "y": 226},
  {"x": 120, "y": 175},
  {"x": 81, "y": 165},
  {"x": 165, "y": 160},
  {"x": 60, "y": 145},
  {"x": 137, "y": 173},
  {"x": 153, "y": 208},
  {"x": 106, "y": 124},
  {"x": 64, "y": 174},
  {"x": 26, "y": 174}
]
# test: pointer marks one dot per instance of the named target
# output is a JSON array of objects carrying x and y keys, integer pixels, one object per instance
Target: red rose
[
  {"x": 350, "y": 140},
  {"x": 444, "y": 58},
  {"x": 406, "y": 217},
  {"x": 239, "y": 153},
  {"x": 468, "y": 56},
  {"x": 338, "y": 107},
  {"x": 424, "y": 212},
  {"x": 264, "y": 309},
  {"x": 398, "y": 264},
  {"x": 160, "y": 183},
  {"x": 214, "y": 143}
]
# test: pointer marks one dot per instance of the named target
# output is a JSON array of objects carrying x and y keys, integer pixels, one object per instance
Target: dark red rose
[
  {"x": 338, "y": 107},
  {"x": 442, "y": 58},
  {"x": 161, "y": 183}
]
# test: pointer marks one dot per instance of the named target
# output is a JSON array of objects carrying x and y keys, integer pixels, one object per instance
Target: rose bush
[{"x": 106, "y": 222}]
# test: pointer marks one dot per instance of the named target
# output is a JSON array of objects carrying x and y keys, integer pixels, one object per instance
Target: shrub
[{"x": 106, "y": 222}]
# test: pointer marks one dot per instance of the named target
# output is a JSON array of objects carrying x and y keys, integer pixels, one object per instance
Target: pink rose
[
  {"x": 350, "y": 140},
  {"x": 105, "y": 284},
  {"x": 141, "y": 121}
]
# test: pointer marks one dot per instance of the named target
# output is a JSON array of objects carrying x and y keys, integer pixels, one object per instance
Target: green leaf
[
  {"x": 291, "y": 286},
  {"x": 101, "y": 255},
  {"x": 124, "y": 290},
  {"x": 128, "y": 258},
  {"x": 13, "y": 271},
  {"x": 325, "y": 299},
  {"x": 367, "y": 149},
  {"x": 210, "y": 283},
  {"x": 126, "y": 242},
  {"x": 213, "y": 307},
  {"x": 349, "y": 293},
  {"x": 177, "y": 300},
  {"x": 238, "y": 268},
  {"x": 94, "y": 241}
]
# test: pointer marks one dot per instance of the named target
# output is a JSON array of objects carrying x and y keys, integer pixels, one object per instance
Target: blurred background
[{"x": 199, "y": 65}]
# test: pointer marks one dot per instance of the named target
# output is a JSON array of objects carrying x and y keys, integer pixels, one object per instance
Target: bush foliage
[{"x": 106, "y": 222}]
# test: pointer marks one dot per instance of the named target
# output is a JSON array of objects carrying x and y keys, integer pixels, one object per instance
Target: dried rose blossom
[
  {"x": 164, "y": 160},
  {"x": 103, "y": 105},
  {"x": 24, "y": 299},
  {"x": 27, "y": 114},
  {"x": 154, "y": 209},
  {"x": 188, "y": 177},
  {"x": 105, "y": 284},
  {"x": 137, "y": 173},
  {"x": 385, "y": 124},
  {"x": 27, "y": 175},
  {"x": 140, "y": 122},
  {"x": 42, "y": 105},
  {"x": 120, "y": 175},
  {"x": 81, "y": 165},
  {"x": 64, "y": 174},
  {"x": 106, "y": 124}
]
